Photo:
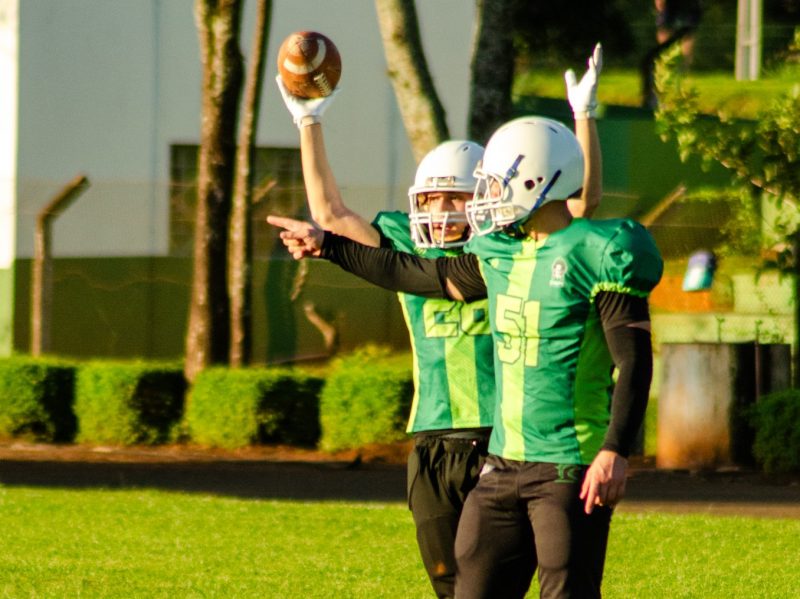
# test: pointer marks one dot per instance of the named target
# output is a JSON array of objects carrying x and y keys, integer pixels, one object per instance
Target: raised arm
[
  {"x": 325, "y": 202},
  {"x": 583, "y": 101}
]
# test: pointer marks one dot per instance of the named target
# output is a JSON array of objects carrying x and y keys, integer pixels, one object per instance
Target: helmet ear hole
[{"x": 530, "y": 184}]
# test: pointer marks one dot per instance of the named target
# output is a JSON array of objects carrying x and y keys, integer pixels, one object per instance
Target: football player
[
  {"x": 567, "y": 302},
  {"x": 453, "y": 403},
  {"x": 451, "y": 347}
]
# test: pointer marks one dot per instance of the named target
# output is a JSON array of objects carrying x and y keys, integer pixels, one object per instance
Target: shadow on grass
[
  {"x": 647, "y": 489},
  {"x": 245, "y": 479}
]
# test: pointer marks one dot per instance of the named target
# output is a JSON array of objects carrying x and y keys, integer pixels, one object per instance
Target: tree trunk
[
  {"x": 795, "y": 239},
  {"x": 240, "y": 253},
  {"x": 422, "y": 112},
  {"x": 493, "y": 58},
  {"x": 207, "y": 338}
]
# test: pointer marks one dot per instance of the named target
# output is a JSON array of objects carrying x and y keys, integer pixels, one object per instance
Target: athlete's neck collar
[{"x": 548, "y": 219}]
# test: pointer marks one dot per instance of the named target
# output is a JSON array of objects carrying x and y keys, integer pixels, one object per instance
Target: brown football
[{"x": 309, "y": 64}]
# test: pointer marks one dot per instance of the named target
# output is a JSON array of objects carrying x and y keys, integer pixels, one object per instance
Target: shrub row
[
  {"x": 128, "y": 403},
  {"x": 36, "y": 399},
  {"x": 233, "y": 408},
  {"x": 365, "y": 399},
  {"x": 776, "y": 419},
  {"x": 105, "y": 402}
]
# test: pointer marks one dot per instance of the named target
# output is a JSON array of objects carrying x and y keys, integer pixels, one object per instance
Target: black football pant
[
  {"x": 442, "y": 470},
  {"x": 524, "y": 515}
]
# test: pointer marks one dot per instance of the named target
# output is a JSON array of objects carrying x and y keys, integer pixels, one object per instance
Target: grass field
[
  {"x": 716, "y": 90},
  {"x": 141, "y": 543}
]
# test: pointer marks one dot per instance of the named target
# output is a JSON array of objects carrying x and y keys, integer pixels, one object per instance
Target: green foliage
[
  {"x": 564, "y": 35},
  {"x": 764, "y": 153},
  {"x": 128, "y": 403},
  {"x": 36, "y": 397},
  {"x": 366, "y": 399},
  {"x": 716, "y": 90},
  {"x": 776, "y": 419},
  {"x": 237, "y": 407},
  {"x": 739, "y": 233}
]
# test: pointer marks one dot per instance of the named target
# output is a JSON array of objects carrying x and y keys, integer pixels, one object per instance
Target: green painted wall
[
  {"x": 137, "y": 307},
  {"x": 638, "y": 168},
  {"x": 6, "y": 310},
  {"x": 749, "y": 306}
]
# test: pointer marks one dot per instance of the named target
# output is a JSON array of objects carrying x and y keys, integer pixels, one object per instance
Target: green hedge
[
  {"x": 36, "y": 397},
  {"x": 128, "y": 403},
  {"x": 237, "y": 407},
  {"x": 366, "y": 399},
  {"x": 776, "y": 418}
]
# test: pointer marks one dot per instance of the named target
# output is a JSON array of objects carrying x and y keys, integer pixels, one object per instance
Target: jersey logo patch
[{"x": 557, "y": 272}]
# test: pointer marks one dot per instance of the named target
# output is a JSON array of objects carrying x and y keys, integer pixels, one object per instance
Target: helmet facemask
[
  {"x": 429, "y": 229},
  {"x": 446, "y": 169}
]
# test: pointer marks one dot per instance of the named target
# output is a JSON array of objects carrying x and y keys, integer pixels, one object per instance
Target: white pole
[
  {"x": 755, "y": 38},
  {"x": 748, "y": 40}
]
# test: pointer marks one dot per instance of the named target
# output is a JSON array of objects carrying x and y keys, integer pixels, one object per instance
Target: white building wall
[
  {"x": 88, "y": 76},
  {"x": 106, "y": 86},
  {"x": 8, "y": 129}
]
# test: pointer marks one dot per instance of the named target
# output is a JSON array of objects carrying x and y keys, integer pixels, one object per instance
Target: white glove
[
  {"x": 305, "y": 111},
  {"x": 583, "y": 96}
]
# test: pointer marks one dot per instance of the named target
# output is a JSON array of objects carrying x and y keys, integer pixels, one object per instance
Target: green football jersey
[
  {"x": 553, "y": 366},
  {"x": 451, "y": 346}
]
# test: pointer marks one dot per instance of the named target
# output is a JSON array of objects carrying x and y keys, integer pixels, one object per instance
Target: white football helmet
[
  {"x": 449, "y": 166},
  {"x": 528, "y": 162}
]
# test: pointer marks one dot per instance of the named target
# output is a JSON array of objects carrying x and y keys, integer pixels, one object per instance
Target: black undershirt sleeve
[
  {"x": 632, "y": 353},
  {"x": 400, "y": 271},
  {"x": 463, "y": 272}
]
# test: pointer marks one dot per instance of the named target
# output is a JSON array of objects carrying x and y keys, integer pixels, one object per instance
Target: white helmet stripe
[{"x": 307, "y": 67}]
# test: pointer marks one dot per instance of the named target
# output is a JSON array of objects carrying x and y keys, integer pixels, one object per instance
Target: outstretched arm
[
  {"x": 456, "y": 278},
  {"x": 325, "y": 202},
  {"x": 583, "y": 100}
]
